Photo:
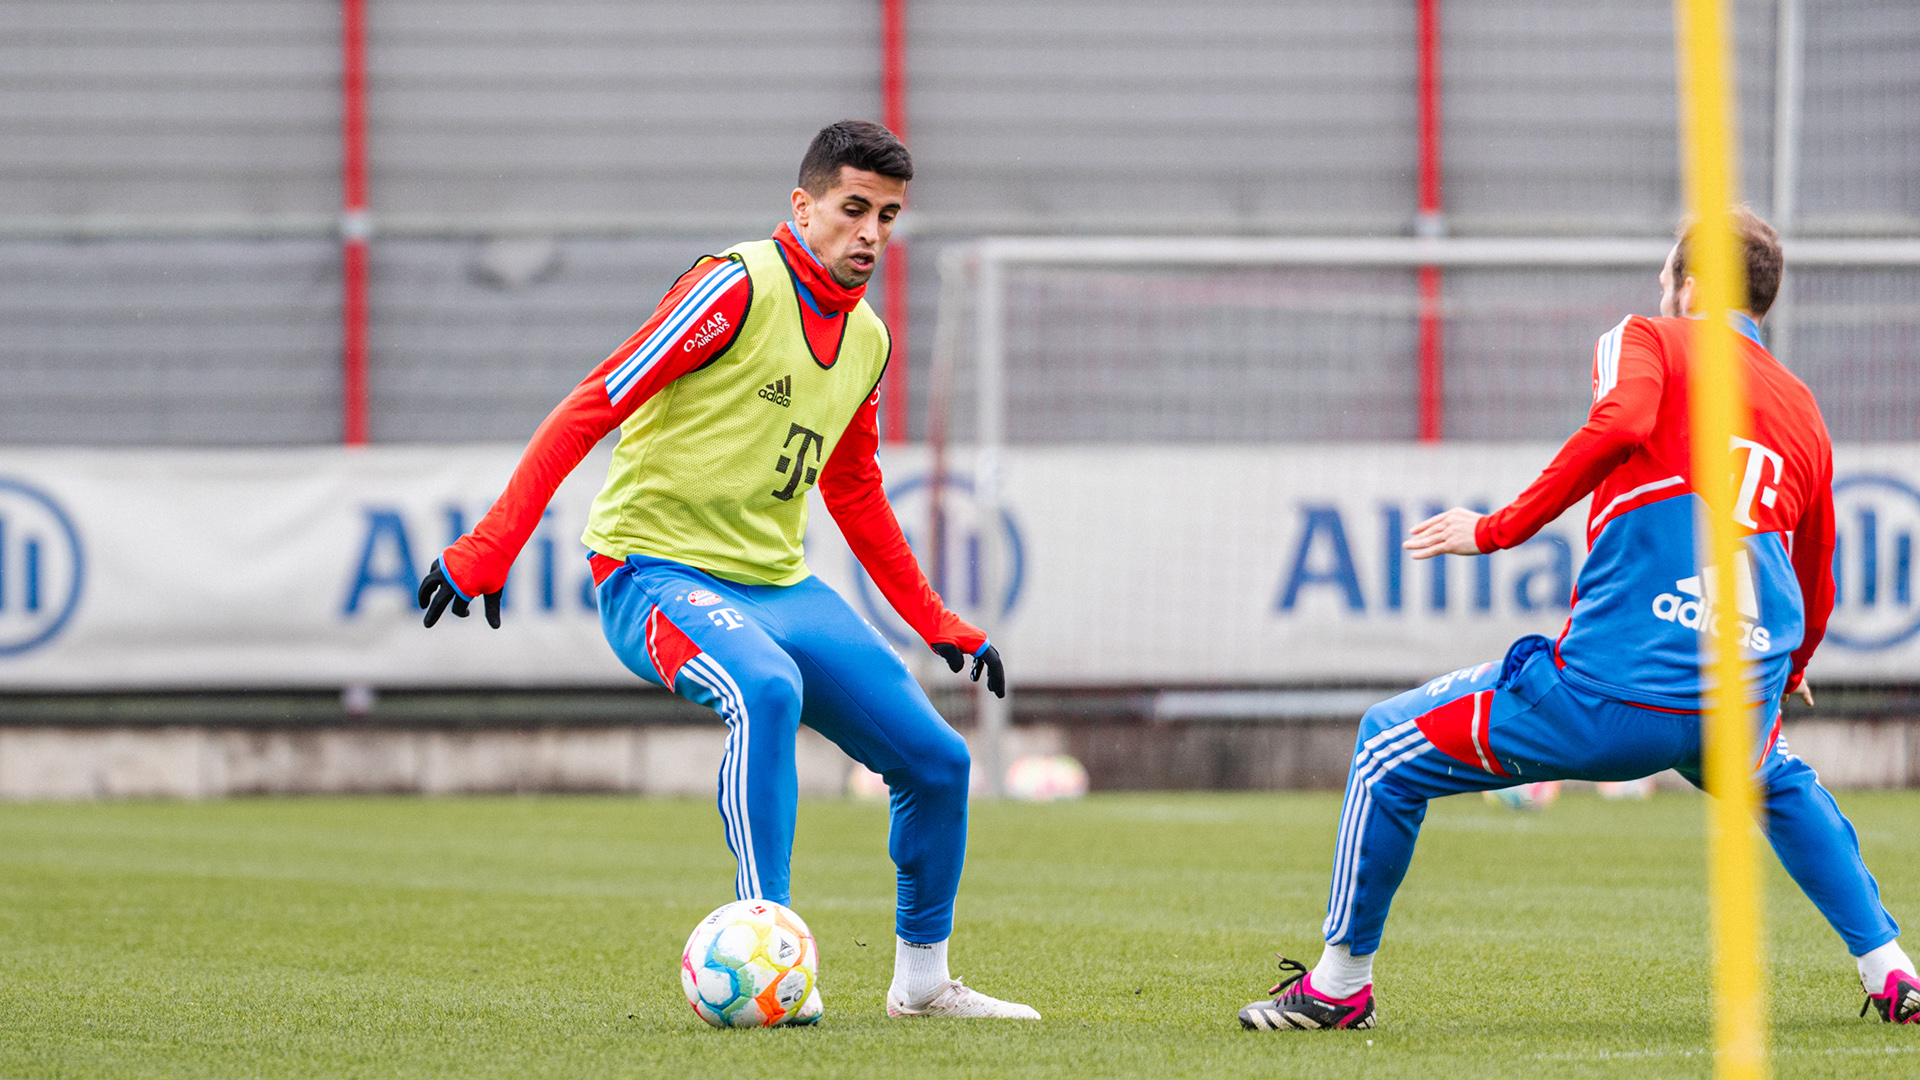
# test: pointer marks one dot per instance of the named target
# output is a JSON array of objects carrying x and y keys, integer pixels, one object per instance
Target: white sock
[
  {"x": 1876, "y": 965},
  {"x": 919, "y": 971},
  {"x": 1340, "y": 974}
]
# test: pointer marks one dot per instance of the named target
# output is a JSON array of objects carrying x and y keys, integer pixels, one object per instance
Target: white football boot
[
  {"x": 955, "y": 1000},
  {"x": 809, "y": 1011}
]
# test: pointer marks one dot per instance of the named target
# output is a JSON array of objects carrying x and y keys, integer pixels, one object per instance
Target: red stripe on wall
[
  {"x": 354, "y": 226},
  {"x": 894, "y": 273},
  {"x": 1430, "y": 223}
]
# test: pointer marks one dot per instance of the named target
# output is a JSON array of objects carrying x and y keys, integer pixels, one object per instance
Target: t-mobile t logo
[
  {"x": 1752, "y": 484},
  {"x": 810, "y": 441}
]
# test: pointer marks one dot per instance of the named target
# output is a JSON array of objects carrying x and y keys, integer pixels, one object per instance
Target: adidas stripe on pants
[
  {"x": 768, "y": 658},
  {"x": 1498, "y": 725}
]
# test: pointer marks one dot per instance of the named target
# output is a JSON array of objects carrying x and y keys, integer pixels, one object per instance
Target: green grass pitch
[{"x": 541, "y": 937}]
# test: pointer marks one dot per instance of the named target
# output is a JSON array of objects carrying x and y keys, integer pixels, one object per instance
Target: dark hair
[
  {"x": 862, "y": 144},
  {"x": 1759, "y": 245}
]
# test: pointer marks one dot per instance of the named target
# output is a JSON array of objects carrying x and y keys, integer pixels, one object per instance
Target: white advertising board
[
  {"x": 276, "y": 568},
  {"x": 1129, "y": 565}
]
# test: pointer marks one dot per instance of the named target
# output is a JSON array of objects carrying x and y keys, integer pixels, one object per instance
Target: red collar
[{"x": 832, "y": 297}]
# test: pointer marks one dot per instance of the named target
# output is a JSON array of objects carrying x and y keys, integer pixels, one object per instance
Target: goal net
[{"x": 1181, "y": 377}]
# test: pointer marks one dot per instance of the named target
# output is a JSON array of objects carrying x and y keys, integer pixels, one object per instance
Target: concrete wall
[
  {"x": 50, "y": 763},
  {"x": 1846, "y": 753}
]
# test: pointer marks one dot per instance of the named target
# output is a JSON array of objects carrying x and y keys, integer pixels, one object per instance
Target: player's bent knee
[
  {"x": 944, "y": 764},
  {"x": 774, "y": 697}
]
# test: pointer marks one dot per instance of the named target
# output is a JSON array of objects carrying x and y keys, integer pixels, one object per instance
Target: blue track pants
[
  {"x": 1498, "y": 725},
  {"x": 769, "y": 658}
]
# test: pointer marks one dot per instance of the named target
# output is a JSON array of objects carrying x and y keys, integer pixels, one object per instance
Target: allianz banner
[{"x": 1124, "y": 565}]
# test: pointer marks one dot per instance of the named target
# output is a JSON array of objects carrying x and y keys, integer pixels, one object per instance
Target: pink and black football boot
[
  {"x": 1297, "y": 1005},
  {"x": 1899, "y": 1003}
]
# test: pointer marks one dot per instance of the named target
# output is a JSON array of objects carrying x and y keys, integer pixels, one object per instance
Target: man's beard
[{"x": 849, "y": 278}]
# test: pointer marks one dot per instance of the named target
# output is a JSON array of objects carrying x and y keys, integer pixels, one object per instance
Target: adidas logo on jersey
[
  {"x": 1692, "y": 597},
  {"x": 779, "y": 391}
]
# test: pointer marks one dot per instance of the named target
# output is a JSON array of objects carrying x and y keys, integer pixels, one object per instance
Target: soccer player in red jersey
[
  {"x": 1618, "y": 695},
  {"x": 755, "y": 381}
]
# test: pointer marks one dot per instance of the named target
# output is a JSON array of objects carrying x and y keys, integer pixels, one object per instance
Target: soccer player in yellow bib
[{"x": 755, "y": 381}]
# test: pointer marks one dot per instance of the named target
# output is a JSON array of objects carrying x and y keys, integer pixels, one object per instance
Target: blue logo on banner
[
  {"x": 1875, "y": 519},
  {"x": 958, "y": 581},
  {"x": 1326, "y": 561},
  {"x": 42, "y": 568},
  {"x": 395, "y": 550}
]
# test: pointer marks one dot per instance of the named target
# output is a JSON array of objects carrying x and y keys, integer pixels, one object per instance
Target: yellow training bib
[{"x": 713, "y": 471}]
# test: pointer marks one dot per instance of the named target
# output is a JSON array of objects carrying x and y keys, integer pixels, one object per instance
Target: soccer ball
[
  {"x": 1042, "y": 778},
  {"x": 1527, "y": 796},
  {"x": 749, "y": 964}
]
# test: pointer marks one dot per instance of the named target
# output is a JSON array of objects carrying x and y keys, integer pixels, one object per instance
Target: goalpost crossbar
[{"x": 1397, "y": 251}]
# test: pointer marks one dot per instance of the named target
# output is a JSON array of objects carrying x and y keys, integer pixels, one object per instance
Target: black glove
[
  {"x": 437, "y": 593},
  {"x": 988, "y": 658}
]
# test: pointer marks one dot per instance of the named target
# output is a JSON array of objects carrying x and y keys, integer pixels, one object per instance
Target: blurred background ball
[
  {"x": 1626, "y": 789},
  {"x": 1527, "y": 796},
  {"x": 749, "y": 964},
  {"x": 1045, "y": 778},
  {"x": 864, "y": 783}
]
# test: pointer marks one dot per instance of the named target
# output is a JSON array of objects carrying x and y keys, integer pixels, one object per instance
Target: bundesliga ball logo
[{"x": 749, "y": 964}]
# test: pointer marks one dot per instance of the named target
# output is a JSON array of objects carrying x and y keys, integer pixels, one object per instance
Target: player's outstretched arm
[
  {"x": 852, "y": 488},
  {"x": 1629, "y": 382},
  {"x": 678, "y": 338},
  {"x": 1450, "y": 533}
]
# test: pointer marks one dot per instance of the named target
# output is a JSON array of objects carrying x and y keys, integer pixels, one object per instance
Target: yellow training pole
[{"x": 1708, "y": 149}]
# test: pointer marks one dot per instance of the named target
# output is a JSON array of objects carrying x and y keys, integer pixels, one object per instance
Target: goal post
[
  {"x": 1048, "y": 342},
  {"x": 1076, "y": 340}
]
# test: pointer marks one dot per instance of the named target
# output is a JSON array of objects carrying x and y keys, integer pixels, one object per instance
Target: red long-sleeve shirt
[
  {"x": 1635, "y": 451},
  {"x": 694, "y": 326}
]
